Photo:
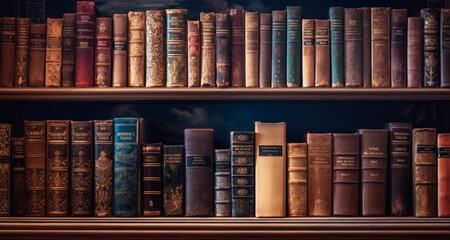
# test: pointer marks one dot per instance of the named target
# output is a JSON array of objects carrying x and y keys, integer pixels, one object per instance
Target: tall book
[
  {"x": 431, "y": 65},
  {"x": 270, "y": 169},
  {"x": 103, "y": 39},
  {"x": 297, "y": 161},
  {"x": 5, "y": 169},
  {"x": 36, "y": 58},
  {"x": 68, "y": 49},
  {"x": 223, "y": 50},
  {"x": 278, "y": 49},
  {"x": 443, "y": 175},
  {"x": 336, "y": 15},
  {"x": 251, "y": 49},
  {"x": 265, "y": 50},
  {"x": 173, "y": 172},
  {"x": 353, "y": 47},
  {"x": 400, "y": 168},
  {"x": 22, "y": 48},
  {"x": 103, "y": 167},
  {"x": 58, "y": 137},
  {"x": 322, "y": 53},
  {"x": 415, "y": 52},
  {"x": 242, "y": 173},
  {"x": 35, "y": 136},
  {"x": 381, "y": 49},
  {"x": 155, "y": 48},
  {"x": 208, "y": 52},
  {"x": 424, "y": 172},
  {"x": 120, "y": 50},
  {"x": 223, "y": 183},
  {"x": 53, "y": 53},
  {"x": 374, "y": 149},
  {"x": 193, "y": 30},
  {"x": 136, "y": 49},
  {"x": 308, "y": 50},
  {"x": 399, "y": 18},
  {"x": 18, "y": 165},
  {"x": 152, "y": 201},
  {"x": 7, "y": 50},
  {"x": 445, "y": 47},
  {"x": 84, "y": 48},
  {"x": 294, "y": 49},
  {"x": 366, "y": 47},
  {"x": 237, "y": 21},
  {"x": 176, "y": 42}
]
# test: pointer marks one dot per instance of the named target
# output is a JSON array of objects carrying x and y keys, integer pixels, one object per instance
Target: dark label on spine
[
  {"x": 269, "y": 150},
  {"x": 443, "y": 152},
  {"x": 426, "y": 149},
  {"x": 198, "y": 161},
  {"x": 120, "y": 46}
]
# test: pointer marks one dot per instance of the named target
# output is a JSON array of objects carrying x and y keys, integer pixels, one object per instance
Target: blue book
[
  {"x": 337, "y": 46},
  {"x": 278, "y": 49},
  {"x": 294, "y": 47}
]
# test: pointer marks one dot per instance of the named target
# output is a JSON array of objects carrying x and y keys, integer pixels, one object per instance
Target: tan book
[
  {"x": 208, "y": 49},
  {"x": 119, "y": 53},
  {"x": 194, "y": 53},
  {"x": 251, "y": 49},
  {"x": 297, "y": 179},
  {"x": 136, "y": 49},
  {"x": 155, "y": 48},
  {"x": 322, "y": 51},
  {"x": 308, "y": 52},
  {"x": 53, "y": 53}
]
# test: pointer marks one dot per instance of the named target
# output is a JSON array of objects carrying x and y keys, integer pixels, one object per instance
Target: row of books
[
  {"x": 108, "y": 168},
  {"x": 356, "y": 47}
]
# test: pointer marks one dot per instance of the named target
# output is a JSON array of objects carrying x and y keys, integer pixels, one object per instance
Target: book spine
[
  {"x": 322, "y": 52},
  {"x": 151, "y": 179},
  {"x": 443, "y": 175},
  {"x": 176, "y": 42},
  {"x": 251, "y": 49},
  {"x": 173, "y": 180},
  {"x": 223, "y": 50},
  {"x": 415, "y": 52},
  {"x": 36, "y": 63},
  {"x": 431, "y": 63},
  {"x": 103, "y": 169},
  {"x": 297, "y": 179},
  {"x": 53, "y": 53},
  {"x": 294, "y": 49},
  {"x": 136, "y": 49},
  {"x": 399, "y": 18},
  {"x": 237, "y": 20},
  {"x": 380, "y": 57},
  {"x": 81, "y": 168},
  {"x": 7, "y": 50},
  {"x": 337, "y": 46},
  {"x": 278, "y": 49},
  {"x": 366, "y": 47},
  {"x": 84, "y": 48},
  {"x": 120, "y": 50},
  {"x": 5, "y": 169},
  {"x": 223, "y": 183},
  {"x": 68, "y": 49},
  {"x": 22, "y": 47},
  {"x": 208, "y": 52},
  {"x": 265, "y": 49},
  {"x": 155, "y": 48},
  {"x": 445, "y": 47},
  {"x": 58, "y": 136},
  {"x": 194, "y": 53},
  {"x": 242, "y": 174},
  {"x": 308, "y": 50},
  {"x": 103, "y": 35},
  {"x": 18, "y": 161},
  {"x": 353, "y": 46},
  {"x": 424, "y": 172}
]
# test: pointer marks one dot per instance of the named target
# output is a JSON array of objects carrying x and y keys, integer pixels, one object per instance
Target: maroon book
[{"x": 84, "y": 50}]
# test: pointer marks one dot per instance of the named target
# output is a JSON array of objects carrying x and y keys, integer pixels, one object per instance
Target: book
[
  {"x": 53, "y": 53},
  {"x": 424, "y": 172},
  {"x": 308, "y": 50},
  {"x": 173, "y": 171},
  {"x": 84, "y": 48},
  {"x": 374, "y": 149},
  {"x": 136, "y": 49},
  {"x": 151, "y": 180},
  {"x": 103, "y": 39},
  {"x": 7, "y": 51},
  {"x": 399, "y": 18},
  {"x": 270, "y": 169},
  {"x": 193, "y": 30},
  {"x": 415, "y": 53},
  {"x": 208, "y": 52},
  {"x": 445, "y": 47},
  {"x": 22, "y": 48},
  {"x": 336, "y": 15},
  {"x": 5, "y": 169},
  {"x": 58, "y": 137},
  {"x": 297, "y": 161},
  {"x": 68, "y": 49},
  {"x": 278, "y": 49},
  {"x": 242, "y": 151},
  {"x": 222, "y": 172},
  {"x": 18, "y": 165},
  {"x": 294, "y": 49},
  {"x": 366, "y": 27},
  {"x": 103, "y": 168},
  {"x": 155, "y": 48},
  {"x": 443, "y": 178},
  {"x": 176, "y": 41},
  {"x": 36, "y": 58},
  {"x": 265, "y": 50},
  {"x": 431, "y": 64},
  {"x": 223, "y": 50},
  {"x": 120, "y": 50},
  {"x": 251, "y": 49},
  {"x": 353, "y": 47},
  {"x": 237, "y": 22},
  {"x": 381, "y": 51},
  {"x": 322, "y": 53},
  {"x": 199, "y": 172}
]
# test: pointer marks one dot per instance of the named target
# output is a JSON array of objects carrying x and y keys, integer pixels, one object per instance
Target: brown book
[
  {"x": 381, "y": 61},
  {"x": 366, "y": 47},
  {"x": 194, "y": 53},
  {"x": 223, "y": 50},
  {"x": 208, "y": 49},
  {"x": 222, "y": 172},
  {"x": 424, "y": 172},
  {"x": 251, "y": 49},
  {"x": 322, "y": 53},
  {"x": 297, "y": 161},
  {"x": 237, "y": 21},
  {"x": 308, "y": 52},
  {"x": 53, "y": 53},
  {"x": 136, "y": 49},
  {"x": 36, "y": 63},
  {"x": 151, "y": 180},
  {"x": 415, "y": 52},
  {"x": 102, "y": 59},
  {"x": 399, "y": 18},
  {"x": 18, "y": 163},
  {"x": 265, "y": 49},
  {"x": 353, "y": 47},
  {"x": 119, "y": 57},
  {"x": 5, "y": 169},
  {"x": 84, "y": 49},
  {"x": 155, "y": 48},
  {"x": 445, "y": 48},
  {"x": 22, "y": 47},
  {"x": 68, "y": 49},
  {"x": 443, "y": 175},
  {"x": 7, "y": 50}
]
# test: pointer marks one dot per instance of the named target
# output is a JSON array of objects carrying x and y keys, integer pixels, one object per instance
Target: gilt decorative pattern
[
  {"x": 155, "y": 51},
  {"x": 5, "y": 168},
  {"x": 136, "y": 49},
  {"x": 173, "y": 171},
  {"x": 208, "y": 49},
  {"x": 22, "y": 46},
  {"x": 176, "y": 47},
  {"x": 53, "y": 53}
]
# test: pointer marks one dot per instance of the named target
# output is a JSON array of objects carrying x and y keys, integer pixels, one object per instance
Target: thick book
[
  {"x": 120, "y": 51},
  {"x": 58, "y": 160},
  {"x": 400, "y": 168},
  {"x": 222, "y": 172},
  {"x": 223, "y": 50},
  {"x": 84, "y": 48},
  {"x": 18, "y": 167},
  {"x": 5, "y": 169},
  {"x": 399, "y": 25},
  {"x": 251, "y": 49},
  {"x": 7, "y": 50},
  {"x": 445, "y": 47},
  {"x": 265, "y": 50},
  {"x": 308, "y": 50},
  {"x": 443, "y": 175},
  {"x": 103, "y": 39},
  {"x": 151, "y": 180},
  {"x": 22, "y": 48},
  {"x": 136, "y": 49},
  {"x": 155, "y": 63},
  {"x": 278, "y": 49},
  {"x": 381, "y": 48},
  {"x": 35, "y": 136},
  {"x": 193, "y": 32},
  {"x": 322, "y": 53},
  {"x": 353, "y": 47},
  {"x": 176, "y": 41},
  {"x": 208, "y": 49},
  {"x": 366, "y": 47},
  {"x": 297, "y": 171},
  {"x": 237, "y": 21},
  {"x": 103, "y": 168},
  {"x": 68, "y": 49},
  {"x": 374, "y": 147},
  {"x": 173, "y": 172},
  {"x": 336, "y": 15},
  {"x": 431, "y": 63},
  {"x": 242, "y": 173},
  {"x": 424, "y": 172},
  {"x": 270, "y": 169},
  {"x": 415, "y": 52},
  {"x": 294, "y": 46},
  {"x": 53, "y": 53},
  {"x": 36, "y": 58},
  {"x": 319, "y": 174}
]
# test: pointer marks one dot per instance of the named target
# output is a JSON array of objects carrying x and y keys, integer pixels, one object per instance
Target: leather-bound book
[
  {"x": 322, "y": 53},
  {"x": 297, "y": 179},
  {"x": 308, "y": 52},
  {"x": 136, "y": 49},
  {"x": 208, "y": 49},
  {"x": 270, "y": 169},
  {"x": 366, "y": 47},
  {"x": 223, "y": 50},
  {"x": 251, "y": 49},
  {"x": 431, "y": 64},
  {"x": 36, "y": 63},
  {"x": 22, "y": 48},
  {"x": 7, "y": 50},
  {"x": 353, "y": 47},
  {"x": 58, "y": 137},
  {"x": 223, "y": 183},
  {"x": 399, "y": 18},
  {"x": 193, "y": 29},
  {"x": 176, "y": 42},
  {"x": 294, "y": 46},
  {"x": 242, "y": 173},
  {"x": 319, "y": 174},
  {"x": 373, "y": 171},
  {"x": 265, "y": 50},
  {"x": 53, "y": 53},
  {"x": 237, "y": 21},
  {"x": 279, "y": 49},
  {"x": 336, "y": 15},
  {"x": 68, "y": 49},
  {"x": 151, "y": 180},
  {"x": 424, "y": 172},
  {"x": 155, "y": 75},
  {"x": 18, "y": 165},
  {"x": 103, "y": 168},
  {"x": 415, "y": 52},
  {"x": 445, "y": 48},
  {"x": 5, "y": 169},
  {"x": 400, "y": 168},
  {"x": 443, "y": 175},
  {"x": 120, "y": 50},
  {"x": 199, "y": 172},
  {"x": 103, "y": 35},
  {"x": 35, "y": 135},
  {"x": 84, "y": 48},
  {"x": 173, "y": 180},
  {"x": 380, "y": 56}
]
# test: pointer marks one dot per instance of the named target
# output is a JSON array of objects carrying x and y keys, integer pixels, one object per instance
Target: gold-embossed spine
[
  {"x": 208, "y": 49},
  {"x": 194, "y": 53},
  {"x": 297, "y": 179},
  {"x": 251, "y": 49},
  {"x": 136, "y": 49},
  {"x": 308, "y": 50},
  {"x": 103, "y": 39},
  {"x": 176, "y": 44},
  {"x": 381, "y": 48},
  {"x": 53, "y": 53},
  {"x": 22, "y": 46},
  {"x": 5, "y": 169},
  {"x": 155, "y": 49},
  {"x": 120, "y": 50}
]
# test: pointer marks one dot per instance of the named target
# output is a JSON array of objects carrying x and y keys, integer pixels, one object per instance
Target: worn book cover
[
  {"x": 193, "y": 53},
  {"x": 237, "y": 21},
  {"x": 308, "y": 50},
  {"x": 336, "y": 15},
  {"x": 294, "y": 48},
  {"x": 399, "y": 18},
  {"x": 278, "y": 49},
  {"x": 84, "y": 48},
  {"x": 443, "y": 175},
  {"x": 176, "y": 41},
  {"x": 415, "y": 52},
  {"x": 222, "y": 172},
  {"x": 322, "y": 53},
  {"x": 431, "y": 59},
  {"x": 22, "y": 48},
  {"x": 353, "y": 47},
  {"x": 445, "y": 48},
  {"x": 53, "y": 53},
  {"x": 265, "y": 50},
  {"x": 151, "y": 180},
  {"x": 297, "y": 167},
  {"x": 68, "y": 50},
  {"x": 136, "y": 49},
  {"x": 120, "y": 51},
  {"x": 36, "y": 63},
  {"x": 366, "y": 47},
  {"x": 5, "y": 169},
  {"x": 223, "y": 50},
  {"x": 155, "y": 48},
  {"x": 18, "y": 185},
  {"x": 7, "y": 51},
  {"x": 208, "y": 49},
  {"x": 251, "y": 49},
  {"x": 381, "y": 48},
  {"x": 173, "y": 171},
  {"x": 103, "y": 39}
]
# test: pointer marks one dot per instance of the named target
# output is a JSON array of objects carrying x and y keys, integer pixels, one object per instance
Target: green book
[
  {"x": 294, "y": 48},
  {"x": 337, "y": 46}
]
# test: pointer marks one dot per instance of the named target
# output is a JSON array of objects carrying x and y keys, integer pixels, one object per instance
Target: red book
[
  {"x": 84, "y": 50},
  {"x": 443, "y": 175}
]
